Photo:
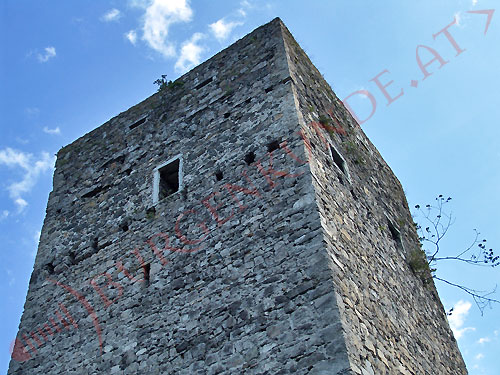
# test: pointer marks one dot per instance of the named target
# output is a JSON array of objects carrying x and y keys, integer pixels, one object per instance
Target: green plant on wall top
[
  {"x": 327, "y": 123},
  {"x": 163, "y": 84}
]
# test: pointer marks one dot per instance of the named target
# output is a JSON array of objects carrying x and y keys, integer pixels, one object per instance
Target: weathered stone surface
[{"x": 261, "y": 263}]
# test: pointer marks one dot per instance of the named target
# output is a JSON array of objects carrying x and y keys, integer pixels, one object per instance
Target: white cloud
[
  {"x": 160, "y": 15},
  {"x": 138, "y": 3},
  {"x": 50, "y": 52},
  {"x": 30, "y": 168},
  {"x": 246, "y": 4},
  {"x": 32, "y": 112},
  {"x": 52, "y": 131},
  {"x": 482, "y": 340},
  {"x": 461, "y": 19},
  {"x": 244, "y": 7},
  {"x": 221, "y": 29},
  {"x": 474, "y": 3},
  {"x": 111, "y": 15},
  {"x": 11, "y": 158},
  {"x": 131, "y": 36},
  {"x": 479, "y": 356},
  {"x": 4, "y": 215},
  {"x": 457, "y": 318},
  {"x": 22, "y": 141},
  {"x": 190, "y": 53},
  {"x": 21, "y": 204}
]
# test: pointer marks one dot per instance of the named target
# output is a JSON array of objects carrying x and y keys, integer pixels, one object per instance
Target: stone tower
[{"x": 236, "y": 222}]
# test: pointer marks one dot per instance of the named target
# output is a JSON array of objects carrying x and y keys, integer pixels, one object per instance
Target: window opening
[
  {"x": 147, "y": 273},
  {"x": 339, "y": 161},
  {"x": 395, "y": 234},
  {"x": 167, "y": 179}
]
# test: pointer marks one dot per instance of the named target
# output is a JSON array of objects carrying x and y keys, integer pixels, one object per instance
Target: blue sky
[{"x": 68, "y": 66}]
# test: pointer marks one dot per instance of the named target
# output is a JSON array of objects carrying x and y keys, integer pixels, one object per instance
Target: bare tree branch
[
  {"x": 438, "y": 222},
  {"x": 481, "y": 300}
]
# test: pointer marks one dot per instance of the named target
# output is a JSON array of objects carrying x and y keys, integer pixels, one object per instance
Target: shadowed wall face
[{"x": 393, "y": 320}]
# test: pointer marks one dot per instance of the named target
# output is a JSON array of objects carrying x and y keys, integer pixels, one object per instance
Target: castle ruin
[{"x": 238, "y": 221}]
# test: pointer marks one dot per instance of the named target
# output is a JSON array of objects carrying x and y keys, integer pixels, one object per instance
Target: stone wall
[
  {"x": 228, "y": 275},
  {"x": 275, "y": 256},
  {"x": 394, "y": 323}
]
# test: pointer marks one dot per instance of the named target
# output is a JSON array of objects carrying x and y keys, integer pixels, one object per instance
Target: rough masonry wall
[
  {"x": 227, "y": 276},
  {"x": 393, "y": 323}
]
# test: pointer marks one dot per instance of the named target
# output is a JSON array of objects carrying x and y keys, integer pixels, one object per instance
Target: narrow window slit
[
  {"x": 147, "y": 273},
  {"x": 269, "y": 89},
  {"x": 104, "y": 245},
  {"x": 204, "y": 83},
  {"x": 227, "y": 114},
  {"x": 72, "y": 258},
  {"x": 138, "y": 123},
  {"x": 95, "y": 191},
  {"x": 218, "y": 175},
  {"x": 395, "y": 234}
]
